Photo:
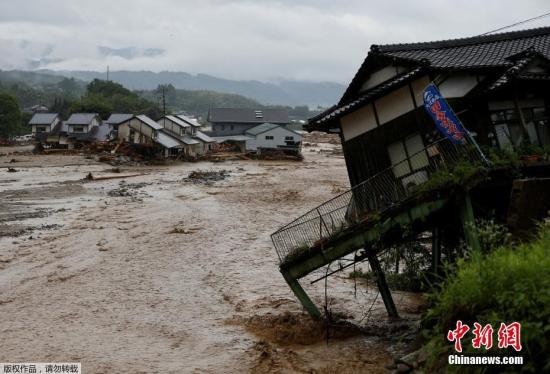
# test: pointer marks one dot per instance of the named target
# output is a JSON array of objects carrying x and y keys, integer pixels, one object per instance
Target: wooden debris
[{"x": 92, "y": 177}]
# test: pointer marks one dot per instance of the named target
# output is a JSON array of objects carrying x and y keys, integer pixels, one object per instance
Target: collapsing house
[{"x": 498, "y": 85}]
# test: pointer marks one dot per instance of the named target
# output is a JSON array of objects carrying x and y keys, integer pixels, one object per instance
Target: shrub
[{"x": 508, "y": 284}]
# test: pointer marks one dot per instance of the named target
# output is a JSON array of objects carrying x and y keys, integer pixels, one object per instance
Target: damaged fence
[{"x": 372, "y": 196}]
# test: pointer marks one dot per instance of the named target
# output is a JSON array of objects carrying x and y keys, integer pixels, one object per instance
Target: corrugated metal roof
[
  {"x": 167, "y": 141},
  {"x": 118, "y": 118},
  {"x": 191, "y": 121},
  {"x": 237, "y": 138},
  {"x": 81, "y": 118},
  {"x": 188, "y": 140},
  {"x": 43, "y": 118},
  {"x": 244, "y": 115},
  {"x": 261, "y": 128},
  {"x": 203, "y": 137},
  {"x": 149, "y": 122},
  {"x": 178, "y": 121}
]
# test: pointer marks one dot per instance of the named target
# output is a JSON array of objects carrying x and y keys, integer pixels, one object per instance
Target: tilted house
[
  {"x": 235, "y": 121},
  {"x": 497, "y": 84},
  {"x": 43, "y": 123},
  {"x": 182, "y": 131},
  {"x": 499, "y": 87},
  {"x": 143, "y": 131},
  {"x": 115, "y": 120},
  {"x": 206, "y": 141},
  {"x": 272, "y": 136}
]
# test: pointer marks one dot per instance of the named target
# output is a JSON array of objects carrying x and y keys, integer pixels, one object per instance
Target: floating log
[{"x": 92, "y": 177}]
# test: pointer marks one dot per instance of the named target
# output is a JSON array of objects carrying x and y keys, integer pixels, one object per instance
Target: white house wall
[
  {"x": 418, "y": 86},
  {"x": 381, "y": 76},
  {"x": 278, "y": 133},
  {"x": 358, "y": 122},
  {"x": 142, "y": 128},
  {"x": 171, "y": 126},
  {"x": 458, "y": 85},
  {"x": 394, "y": 104}
]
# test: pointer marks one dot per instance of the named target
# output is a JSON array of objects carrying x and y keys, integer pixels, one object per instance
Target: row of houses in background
[
  {"x": 254, "y": 129},
  {"x": 249, "y": 130}
]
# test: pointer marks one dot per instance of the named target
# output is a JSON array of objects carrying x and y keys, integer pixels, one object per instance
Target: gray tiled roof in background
[
  {"x": 43, "y": 118},
  {"x": 118, "y": 118},
  {"x": 261, "y": 129},
  {"x": 81, "y": 118},
  {"x": 243, "y": 115}
]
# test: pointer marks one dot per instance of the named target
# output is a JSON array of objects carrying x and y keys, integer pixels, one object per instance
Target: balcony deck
[{"x": 357, "y": 218}]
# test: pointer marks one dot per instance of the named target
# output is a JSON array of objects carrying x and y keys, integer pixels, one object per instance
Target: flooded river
[{"x": 157, "y": 274}]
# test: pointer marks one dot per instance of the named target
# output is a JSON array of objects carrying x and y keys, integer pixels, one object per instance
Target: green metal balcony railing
[{"x": 373, "y": 196}]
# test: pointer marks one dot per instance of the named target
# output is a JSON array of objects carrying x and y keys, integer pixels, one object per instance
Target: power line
[{"x": 517, "y": 23}]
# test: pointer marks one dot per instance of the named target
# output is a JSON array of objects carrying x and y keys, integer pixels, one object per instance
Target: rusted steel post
[
  {"x": 382, "y": 285},
  {"x": 301, "y": 295}
]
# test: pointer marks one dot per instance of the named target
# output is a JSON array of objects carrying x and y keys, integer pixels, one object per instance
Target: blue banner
[{"x": 445, "y": 119}]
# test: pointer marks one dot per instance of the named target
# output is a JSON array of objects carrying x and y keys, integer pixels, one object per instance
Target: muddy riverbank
[{"x": 155, "y": 273}]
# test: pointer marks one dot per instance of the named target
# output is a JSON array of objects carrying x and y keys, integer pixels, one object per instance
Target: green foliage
[
  {"x": 106, "y": 97},
  {"x": 490, "y": 234},
  {"x": 461, "y": 174},
  {"x": 10, "y": 117},
  {"x": 508, "y": 284},
  {"x": 34, "y": 88}
]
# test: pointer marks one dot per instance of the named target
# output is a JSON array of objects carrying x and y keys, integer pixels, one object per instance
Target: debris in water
[{"x": 207, "y": 176}]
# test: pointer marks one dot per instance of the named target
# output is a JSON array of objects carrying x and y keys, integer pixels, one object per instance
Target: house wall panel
[
  {"x": 358, "y": 122},
  {"x": 394, "y": 104}
]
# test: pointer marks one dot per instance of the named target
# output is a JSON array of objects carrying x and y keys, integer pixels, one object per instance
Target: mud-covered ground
[{"x": 160, "y": 273}]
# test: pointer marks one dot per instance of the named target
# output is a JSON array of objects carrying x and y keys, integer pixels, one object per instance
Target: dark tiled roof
[
  {"x": 496, "y": 52},
  {"x": 43, "y": 118},
  {"x": 492, "y": 50},
  {"x": 245, "y": 115},
  {"x": 370, "y": 95}
]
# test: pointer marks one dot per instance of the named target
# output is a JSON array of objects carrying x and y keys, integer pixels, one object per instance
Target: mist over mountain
[{"x": 284, "y": 92}]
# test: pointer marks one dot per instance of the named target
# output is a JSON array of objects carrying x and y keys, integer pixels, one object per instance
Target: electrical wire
[{"x": 517, "y": 23}]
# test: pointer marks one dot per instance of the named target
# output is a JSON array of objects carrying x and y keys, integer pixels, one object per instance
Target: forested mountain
[{"x": 284, "y": 92}]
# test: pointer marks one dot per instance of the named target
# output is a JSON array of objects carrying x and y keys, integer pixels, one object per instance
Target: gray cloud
[
  {"x": 129, "y": 52},
  {"x": 243, "y": 39}
]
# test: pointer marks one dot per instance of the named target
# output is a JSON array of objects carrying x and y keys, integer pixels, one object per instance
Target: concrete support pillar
[
  {"x": 382, "y": 285},
  {"x": 302, "y": 296}
]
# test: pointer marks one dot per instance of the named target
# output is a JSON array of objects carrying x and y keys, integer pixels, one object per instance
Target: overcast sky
[{"x": 319, "y": 40}]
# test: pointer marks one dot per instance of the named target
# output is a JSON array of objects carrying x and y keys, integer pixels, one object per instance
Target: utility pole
[
  {"x": 107, "y": 73},
  {"x": 163, "y": 101}
]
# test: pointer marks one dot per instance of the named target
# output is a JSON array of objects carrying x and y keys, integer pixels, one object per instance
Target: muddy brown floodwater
[{"x": 155, "y": 274}]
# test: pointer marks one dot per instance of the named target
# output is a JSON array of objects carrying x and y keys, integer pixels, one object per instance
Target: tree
[{"x": 10, "y": 117}]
